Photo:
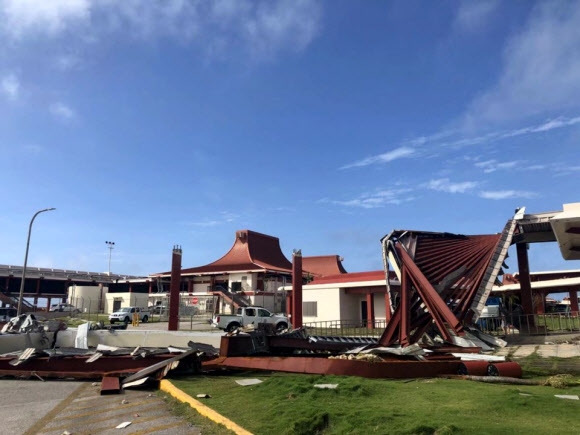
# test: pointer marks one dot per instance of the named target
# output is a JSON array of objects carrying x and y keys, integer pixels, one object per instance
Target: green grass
[
  {"x": 289, "y": 404},
  {"x": 204, "y": 425}
]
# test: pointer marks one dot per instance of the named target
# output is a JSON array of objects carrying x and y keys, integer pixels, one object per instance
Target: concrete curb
[{"x": 204, "y": 410}]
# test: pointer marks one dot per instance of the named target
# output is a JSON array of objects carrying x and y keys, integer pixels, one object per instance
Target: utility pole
[
  {"x": 21, "y": 295},
  {"x": 110, "y": 245}
]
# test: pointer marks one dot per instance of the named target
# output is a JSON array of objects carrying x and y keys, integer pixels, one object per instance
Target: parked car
[
  {"x": 65, "y": 308},
  {"x": 7, "y": 313},
  {"x": 248, "y": 316},
  {"x": 125, "y": 315}
]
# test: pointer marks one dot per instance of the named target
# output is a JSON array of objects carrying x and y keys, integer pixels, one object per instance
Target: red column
[
  {"x": 174, "y": 288},
  {"x": 289, "y": 305},
  {"x": 216, "y": 308},
  {"x": 48, "y": 300},
  {"x": 370, "y": 310},
  {"x": 387, "y": 307},
  {"x": 190, "y": 286},
  {"x": 297, "y": 289},
  {"x": 150, "y": 286},
  {"x": 524, "y": 278},
  {"x": 574, "y": 301}
]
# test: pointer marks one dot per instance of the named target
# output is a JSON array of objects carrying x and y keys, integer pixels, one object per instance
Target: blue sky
[{"x": 324, "y": 123}]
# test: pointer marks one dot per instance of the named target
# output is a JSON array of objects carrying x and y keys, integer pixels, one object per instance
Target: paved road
[
  {"x": 24, "y": 403},
  {"x": 53, "y": 407}
]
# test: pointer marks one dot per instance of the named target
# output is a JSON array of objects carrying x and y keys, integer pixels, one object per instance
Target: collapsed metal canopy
[{"x": 445, "y": 280}]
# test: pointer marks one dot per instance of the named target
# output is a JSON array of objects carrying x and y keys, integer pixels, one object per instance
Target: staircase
[
  {"x": 236, "y": 299},
  {"x": 494, "y": 267},
  {"x": 13, "y": 302}
]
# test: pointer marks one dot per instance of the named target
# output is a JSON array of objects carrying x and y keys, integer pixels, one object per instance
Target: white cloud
[
  {"x": 438, "y": 143},
  {"x": 62, "y": 111},
  {"x": 261, "y": 29},
  {"x": 541, "y": 68},
  {"x": 224, "y": 217},
  {"x": 474, "y": 15},
  {"x": 398, "y": 153},
  {"x": 377, "y": 199},
  {"x": 48, "y": 17},
  {"x": 10, "y": 86},
  {"x": 490, "y": 166},
  {"x": 506, "y": 194},
  {"x": 67, "y": 62},
  {"x": 445, "y": 185}
]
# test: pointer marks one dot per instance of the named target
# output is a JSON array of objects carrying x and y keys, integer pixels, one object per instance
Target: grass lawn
[{"x": 290, "y": 404}]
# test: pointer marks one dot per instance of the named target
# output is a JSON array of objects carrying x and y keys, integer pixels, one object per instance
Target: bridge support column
[
  {"x": 574, "y": 301},
  {"x": 524, "y": 278}
]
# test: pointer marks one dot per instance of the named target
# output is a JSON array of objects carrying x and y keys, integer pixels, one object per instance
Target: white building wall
[
  {"x": 328, "y": 304},
  {"x": 350, "y": 307},
  {"x": 200, "y": 288},
  {"x": 380, "y": 306},
  {"x": 87, "y": 298},
  {"x": 126, "y": 300},
  {"x": 248, "y": 280}
]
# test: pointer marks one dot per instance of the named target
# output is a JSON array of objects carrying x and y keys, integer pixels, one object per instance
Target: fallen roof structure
[{"x": 445, "y": 280}]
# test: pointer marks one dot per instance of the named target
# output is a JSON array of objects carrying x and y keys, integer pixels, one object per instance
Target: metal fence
[
  {"x": 346, "y": 328},
  {"x": 532, "y": 324}
]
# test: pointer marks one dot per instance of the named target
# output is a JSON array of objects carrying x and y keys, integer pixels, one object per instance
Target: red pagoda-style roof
[
  {"x": 346, "y": 278},
  {"x": 323, "y": 265},
  {"x": 251, "y": 251}
]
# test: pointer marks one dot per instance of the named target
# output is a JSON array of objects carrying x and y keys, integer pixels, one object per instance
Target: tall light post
[
  {"x": 21, "y": 295},
  {"x": 110, "y": 246}
]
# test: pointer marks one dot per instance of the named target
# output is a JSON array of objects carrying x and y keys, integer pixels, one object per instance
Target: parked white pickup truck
[
  {"x": 125, "y": 315},
  {"x": 248, "y": 316}
]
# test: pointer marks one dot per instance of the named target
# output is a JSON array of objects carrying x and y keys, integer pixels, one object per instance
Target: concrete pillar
[
  {"x": 524, "y": 278},
  {"x": 574, "y": 301},
  {"x": 370, "y": 310},
  {"x": 541, "y": 305},
  {"x": 297, "y": 289},
  {"x": 150, "y": 282},
  {"x": 174, "y": 288},
  {"x": 37, "y": 290}
]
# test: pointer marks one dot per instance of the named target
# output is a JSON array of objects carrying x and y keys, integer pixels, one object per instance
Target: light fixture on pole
[
  {"x": 21, "y": 295},
  {"x": 110, "y": 245}
]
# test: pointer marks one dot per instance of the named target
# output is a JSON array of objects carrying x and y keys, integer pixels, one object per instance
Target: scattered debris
[
  {"x": 567, "y": 396},
  {"x": 326, "y": 386},
  {"x": 110, "y": 385},
  {"x": 560, "y": 381},
  {"x": 123, "y": 425},
  {"x": 247, "y": 382}
]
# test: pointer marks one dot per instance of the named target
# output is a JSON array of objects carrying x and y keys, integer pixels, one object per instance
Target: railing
[
  {"x": 346, "y": 328},
  {"x": 237, "y": 299},
  {"x": 531, "y": 324}
]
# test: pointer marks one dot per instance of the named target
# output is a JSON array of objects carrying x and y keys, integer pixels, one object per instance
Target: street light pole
[
  {"x": 21, "y": 295},
  {"x": 110, "y": 245}
]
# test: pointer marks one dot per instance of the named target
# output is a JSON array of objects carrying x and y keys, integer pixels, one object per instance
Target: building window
[{"x": 310, "y": 309}]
